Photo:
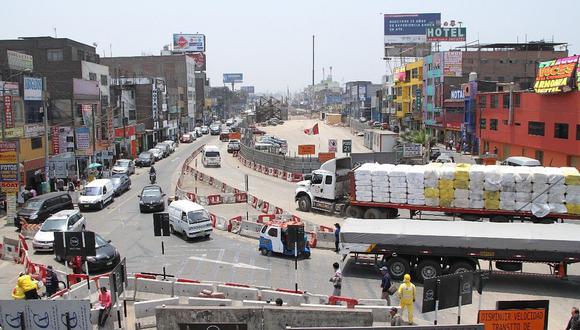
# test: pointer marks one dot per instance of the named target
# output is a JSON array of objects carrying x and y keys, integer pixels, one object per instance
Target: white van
[
  {"x": 211, "y": 156},
  {"x": 189, "y": 219},
  {"x": 521, "y": 161},
  {"x": 96, "y": 194}
]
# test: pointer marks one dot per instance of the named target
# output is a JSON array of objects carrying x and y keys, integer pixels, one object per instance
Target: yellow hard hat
[{"x": 407, "y": 278}]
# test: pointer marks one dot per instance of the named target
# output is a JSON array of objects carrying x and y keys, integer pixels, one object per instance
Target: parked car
[
  {"x": 193, "y": 135},
  {"x": 66, "y": 220},
  {"x": 257, "y": 131},
  {"x": 204, "y": 130},
  {"x": 230, "y": 122},
  {"x": 233, "y": 145},
  {"x": 186, "y": 138},
  {"x": 96, "y": 194},
  {"x": 215, "y": 129},
  {"x": 145, "y": 159},
  {"x": 445, "y": 158},
  {"x": 171, "y": 145},
  {"x": 39, "y": 208},
  {"x": 197, "y": 131},
  {"x": 121, "y": 183},
  {"x": 163, "y": 147},
  {"x": 434, "y": 153},
  {"x": 521, "y": 161},
  {"x": 124, "y": 166},
  {"x": 152, "y": 198},
  {"x": 157, "y": 153}
]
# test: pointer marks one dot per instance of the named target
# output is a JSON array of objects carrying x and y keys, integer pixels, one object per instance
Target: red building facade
[{"x": 544, "y": 127}]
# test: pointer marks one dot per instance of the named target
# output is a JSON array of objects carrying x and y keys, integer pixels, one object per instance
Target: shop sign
[
  {"x": 8, "y": 112},
  {"x": 33, "y": 130},
  {"x": 556, "y": 76},
  {"x": 32, "y": 89},
  {"x": 12, "y": 133},
  {"x": 446, "y": 34},
  {"x": 8, "y": 152},
  {"x": 9, "y": 88},
  {"x": 457, "y": 95},
  {"x": 19, "y": 61},
  {"x": 83, "y": 138}
]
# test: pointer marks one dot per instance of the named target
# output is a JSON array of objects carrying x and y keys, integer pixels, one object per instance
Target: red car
[
  {"x": 186, "y": 138},
  {"x": 257, "y": 131}
]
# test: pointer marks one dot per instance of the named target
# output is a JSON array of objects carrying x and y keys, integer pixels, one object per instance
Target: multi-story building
[
  {"x": 521, "y": 123},
  {"x": 179, "y": 73},
  {"x": 357, "y": 100},
  {"x": 408, "y": 98}
]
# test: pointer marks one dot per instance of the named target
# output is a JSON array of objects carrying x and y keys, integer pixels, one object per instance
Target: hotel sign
[{"x": 556, "y": 76}]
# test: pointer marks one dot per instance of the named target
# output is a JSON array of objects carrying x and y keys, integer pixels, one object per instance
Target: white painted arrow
[{"x": 235, "y": 265}]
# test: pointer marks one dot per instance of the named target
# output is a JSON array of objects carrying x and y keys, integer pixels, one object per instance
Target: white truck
[
  {"x": 433, "y": 248},
  {"x": 189, "y": 219}
]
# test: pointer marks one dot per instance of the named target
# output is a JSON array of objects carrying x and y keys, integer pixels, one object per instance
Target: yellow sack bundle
[
  {"x": 462, "y": 172},
  {"x": 491, "y": 195},
  {"x": 572, "y": 176},
  {"x": 460, "y": 183},
  {"x": 491, "y": 204},
  {"x": 445, "y": 202},
  {"x": 445, "y": 184},
  {"x": 573, "y": 208},
  {"x": 448, "y": 194},
  {"x": 431, "y": 193}
]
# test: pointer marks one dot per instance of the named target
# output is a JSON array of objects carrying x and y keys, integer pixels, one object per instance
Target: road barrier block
[
  {"x": 350, "y": 302},
  {"x": 154, "y": 286},
  {"x": 292, "y": 299},
  {"x": 259, "y": 303},
  {"x": 241, "y": 197},
  {"x": 288, "y": 177},
  {"x": 373, "y": 302},
  {"x": 235, "y": 224},
  {"x": 195, "y": 301},
  {"x": 323, "y": 306},
  {"x": 221, "y": 223},
  {"x": 214, "y": 199},
  {"x": 147, "y": 308},
  {"x": 250, "y": 229},
  {"x": 238, "y": 293},
  {"x": 265, "y": 207},
  {"x": 278, "y": 210},
  {"x": 263, "y": 218},
  {"x": 380, "y": 313},
  {"x": 296, "y": 177},
  {"x": 190, "y": 289}
]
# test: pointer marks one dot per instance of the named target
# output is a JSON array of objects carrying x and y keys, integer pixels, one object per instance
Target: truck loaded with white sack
[{"x": 472, "y": 192}]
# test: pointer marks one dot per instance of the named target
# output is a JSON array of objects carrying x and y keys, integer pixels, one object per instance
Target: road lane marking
[{"x": 235, "y": 265}]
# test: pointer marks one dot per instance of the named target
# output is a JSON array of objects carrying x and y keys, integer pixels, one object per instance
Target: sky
[{"x": 270, "y": 41}]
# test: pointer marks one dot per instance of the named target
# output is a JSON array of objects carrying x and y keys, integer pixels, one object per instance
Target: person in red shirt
[{"x": 105, "y": 306}]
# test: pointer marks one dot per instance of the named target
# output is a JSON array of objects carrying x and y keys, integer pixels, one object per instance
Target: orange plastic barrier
[{"x": 350, "y": 302}]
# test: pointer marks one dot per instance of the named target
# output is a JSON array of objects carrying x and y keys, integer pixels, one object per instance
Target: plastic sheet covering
[
  {"x": 431, "y": 201},
  {"x": 477, "y": 173},
  {"x": 539, "y": 174},
  {"x": 540, "y": 210},
  {"x": 555, "y": 175},
  {"x": 431, "y": 183},
  {"x": 476, "y": 204},
  {"x": 573, "y": 208},
  {"x": 559, "y": 208},
  {"x": 447, "y": 171},
  {"x": 523, "y": 206},
  {"x": 461, "y": 194},
  {"x": 445, "y": 184}
]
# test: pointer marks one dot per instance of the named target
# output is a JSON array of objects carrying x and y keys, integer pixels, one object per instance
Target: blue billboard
[
  {"x": 409, "y": 28},
  {"x": 233, "y": 78}
]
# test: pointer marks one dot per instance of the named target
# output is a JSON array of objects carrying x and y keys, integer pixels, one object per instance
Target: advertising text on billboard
[
  {"x": 32, "y": 89},
  {"x": 446, "y": 34},
  {"x": 233, "y": 78},
  {"x": 8, "y": 112},
  {"x": 19, "y": 61},
  {"x": 452, "y": 64},
  {"x": 409, "y": 28},
  {"x": 199, "y": 59},
  {"x": 188, "y": 42},
  {"x": 556, "y": 76}
]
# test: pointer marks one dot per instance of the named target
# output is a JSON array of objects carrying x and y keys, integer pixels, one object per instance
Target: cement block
[
  {"x": 238, "y": 293},
  {"x": 194, "y": 301},
  {"x": 250, "y": 229},
  {"x": 323, "y": 306},
  {"x": 81, "y": 292},
  {"x": 317, "y": 298},
  {"x": 260, "y": 303},
  {"x": 111, "y": 320},
  {"x": 147, "y": 308},
  {"x": 154, "y": 286},
  {"x": 130, "y": 283},
  {"x": 190, "y": 289},
  {"x": 325, "y": 237},
  {"x": 373, "y": 302},
  {"x": 292, "y": 299},
  {"x": 380, "y": 313}
]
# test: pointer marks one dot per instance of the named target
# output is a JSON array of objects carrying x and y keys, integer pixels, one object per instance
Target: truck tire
[
  {"x": 544, "y": 220},
  {"x": 499, "y": 218},
  {"x": 374, "y": 213},
  {"x": 398, "y": 267},
  {"x": 354, "y": 212},
  {"x": 391, "y": 213},
  {"x": 304, "y": 203},
  {"x": 509, "y": 266},
  {"x": 428, "y": 269},
  {"x": 461, "y": 267}
]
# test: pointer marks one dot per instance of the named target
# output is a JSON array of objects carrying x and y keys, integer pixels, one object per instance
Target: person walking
[
  {"x": 574, "y": 322},
  {"x": 386, "y": 285},
  {"x": 407, "y": 293},
  {"x": 104, "y": 306},
  {"x": 28, "y": 286},
  {"x": 336, "y": 236},
  {"x": 336, "y": 280},
  {"x": 51, "y": 282},
  {"x": 396, "y": 319}
]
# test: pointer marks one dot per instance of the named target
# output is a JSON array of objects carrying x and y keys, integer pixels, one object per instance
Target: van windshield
[
  {"x": 212, "y": 154},
  {"x": 197, "y": 216},
  {"x": 33, "y": 204},
  {"x": 93, "y": 191}
]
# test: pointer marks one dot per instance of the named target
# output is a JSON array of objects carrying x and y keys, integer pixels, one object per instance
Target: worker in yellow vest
[{"x": 407, "y": 292}]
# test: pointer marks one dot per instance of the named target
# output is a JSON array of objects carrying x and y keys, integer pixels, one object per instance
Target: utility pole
[
  {"x": 45, "y": 119},
  {"x": 312, "y": 100}
]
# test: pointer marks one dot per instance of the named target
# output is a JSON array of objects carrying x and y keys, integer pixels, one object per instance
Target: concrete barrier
[
  {"x": 373, "y": 302},
  {"x": 190, "y": 289},
  {"x": 111, "y": 320},
  {"x": 195, "y": 301},
  {"x": 260, "y": 303},
  {"x": 250, "y": 229},
  {"x": 147, "y": 308},
  {"x": 154, "y": 286},
  {"x": 325, "y": 240},
  {"x": 239, "y": 293},
  {"x": 293, "y": 299},
  {"x": 380, "y": 313},
  {"x": 323, "y": 306},
  {"x": 80, "y": 292}
]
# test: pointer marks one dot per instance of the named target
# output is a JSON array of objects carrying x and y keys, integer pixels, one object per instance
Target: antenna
[{"x": 54, "y": 28}]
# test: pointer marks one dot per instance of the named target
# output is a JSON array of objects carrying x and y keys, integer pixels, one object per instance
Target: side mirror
[
  {"x": 139, "y": 196},
  {"x": 109, "y": 241},
  {"x": 163, "y": 194}
]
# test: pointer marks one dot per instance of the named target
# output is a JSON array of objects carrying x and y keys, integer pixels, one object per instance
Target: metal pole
[
  {"x": 86, "y": 266},
  {"x": 459, "y": 303},
  {"x": 312, "y": 100},
  {"x": 437, "y": 301},
  {"x": 45, "y": 115},
  {"x": 124, "y": 126},
  {"x": 296, "y": 265}
]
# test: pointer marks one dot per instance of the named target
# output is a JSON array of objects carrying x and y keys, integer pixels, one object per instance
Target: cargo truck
[
  {"x": 433, "y": 248},
  {"x": 331, "y": 189}
]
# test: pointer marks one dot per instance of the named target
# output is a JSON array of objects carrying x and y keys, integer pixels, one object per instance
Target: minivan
[
  {"x": 39, "y": 208},
  {"x": 521, "y": 161},
  {"x": 189, "y": 219},
  {"x": 211, "y": 156},
  {"x": 96, "y": 194}
]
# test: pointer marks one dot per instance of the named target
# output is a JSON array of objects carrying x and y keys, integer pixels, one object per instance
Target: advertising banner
[
  {"x": 8, "y": 166},
  {"x": 85, "y": 89},
  {"x": 32, "y": 89},
  {"x": 83, "y": 138},
  {"x": 446, "y": 34},
  {"x": 412, "y": 150},
  {"x": 409, "y": 28},
  {"x": 233, "y": 78},
  {"x": 19, "y": 61},
  {"x": 45, "y": 314},
  {"x": 64, "y": 138},
  {"x": 556, "y": 76},
  {"x": 306, "y": 149},
  {"x": 11, "y": 133},
  {"x": 9, "y": 88},
  {"x": 452, "y": 64},
  {"x": 8, "y": 152},
  {"x": 188, "y": 42},
  {"x": 199, "y": 59},
  {"x": 33, "y": 130},
  {"x": 8, "y": 112},
  {"x": 9, "y": 172},
  {"x": 60, "y": 166},
  {"x": 325, "y": 156},
  {"x": 532, "y": 319}
]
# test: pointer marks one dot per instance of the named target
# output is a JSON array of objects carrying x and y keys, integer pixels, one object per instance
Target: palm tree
[{"x": 419, "y": 136}]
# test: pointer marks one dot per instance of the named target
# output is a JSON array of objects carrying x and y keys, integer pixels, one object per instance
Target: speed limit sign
[{"x": 346, "y": 146}]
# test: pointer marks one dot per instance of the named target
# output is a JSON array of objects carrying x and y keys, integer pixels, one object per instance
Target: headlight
[
  {"x": 91, "y": 259},
  {"x": 141, "y": 202},
  {"x": 33, "y": 216}
]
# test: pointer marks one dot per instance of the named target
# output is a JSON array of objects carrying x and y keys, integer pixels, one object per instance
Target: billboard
[
  {"x": 556, "y": 76},
  {"x": 32, "y": 89},
  {"x": 233, "y": 78},
  {"x": 532, "y": 319},
  {"x": 9, "y": 88},
  {"x": 8, "y": 167},
  {"x": 306, "y": 149},
  {"x": 83, "y": 138},
  {"x": 435, "y": 33},
  {"x": 188, "y": 42},
  {"x": 409, "y": 28},
  {"x": 452, "y": 64},
  {"x": 19, "y": 61},
  {"x": 247, "y": 89},
  {"x": 8, "y": 112},
  {"x": 199, "y": 59}
]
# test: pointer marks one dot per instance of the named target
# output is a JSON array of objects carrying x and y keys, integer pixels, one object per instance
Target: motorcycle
[{"x": 152, "y": 177}]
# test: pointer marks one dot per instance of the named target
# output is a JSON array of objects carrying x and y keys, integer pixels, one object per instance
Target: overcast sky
[{"x": 270, "y": 41}]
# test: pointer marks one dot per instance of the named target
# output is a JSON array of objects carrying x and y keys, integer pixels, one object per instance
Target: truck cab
[
  {"x": 274, "y": 239},
  {"x": 327, "y": 187}
]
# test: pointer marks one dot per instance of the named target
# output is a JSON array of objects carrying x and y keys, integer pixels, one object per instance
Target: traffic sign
[
  {"x": 306, "y": 149},
  {"x": 332, "y": 145},
  {"x": 346, "y": 146}
]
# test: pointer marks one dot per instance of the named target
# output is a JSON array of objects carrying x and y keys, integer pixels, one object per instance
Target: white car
[
  {"x": 171, "y": 144},
  {"x": 124, "y": 166},
  {"x": 157, "y": 153},
  {"x": 67, "y": 220}
]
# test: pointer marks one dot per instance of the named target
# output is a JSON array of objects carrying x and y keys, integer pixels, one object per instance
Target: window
[
  {"x": 540, "y": 156},
  {"x": 560, "y": 131},
  {"x": 577, "y": 132},
  {"x": 493, "y": 124},
  {"x": 328, "y": 179},
  {"x": 501, "y": 78},
  {"x": 482, "y": 123},
  {"x": 493, "y": 101},
  {"x": 517, "y": 100},
  {"x": 92, "y": 76},
  {"x": 536, "y": 128},
  {"x": 36, "y": 143},
  {"x": 316, "y": 178},
  {"x": 506, "y": 101},
  {"x": 54, "y": 55},
  {"x": 482, "y": 101},
  {"x": 273, "y": 232},
  {"x": 104, "y": 80},
  {"x": 505, "y": 121}
]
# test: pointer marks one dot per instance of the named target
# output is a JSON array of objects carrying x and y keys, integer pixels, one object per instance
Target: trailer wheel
[
  {"x": 304, "y": 203},
  {"x": 374, "y": 213},
  {"x": 428, "y": 269},
  {"x": 392, "y": 213},
  {"x": 544, "y": 220},
  {"x": 264, "y": 252},
  {"x": 354, "y": 212},
  {"x": 398, "y": 267},
  {"x": 461, "y": 267},
  {"x": 499, "y": 218}
]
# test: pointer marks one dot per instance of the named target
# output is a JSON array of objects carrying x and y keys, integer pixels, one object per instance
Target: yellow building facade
[{"x": 408, "y": 93}]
